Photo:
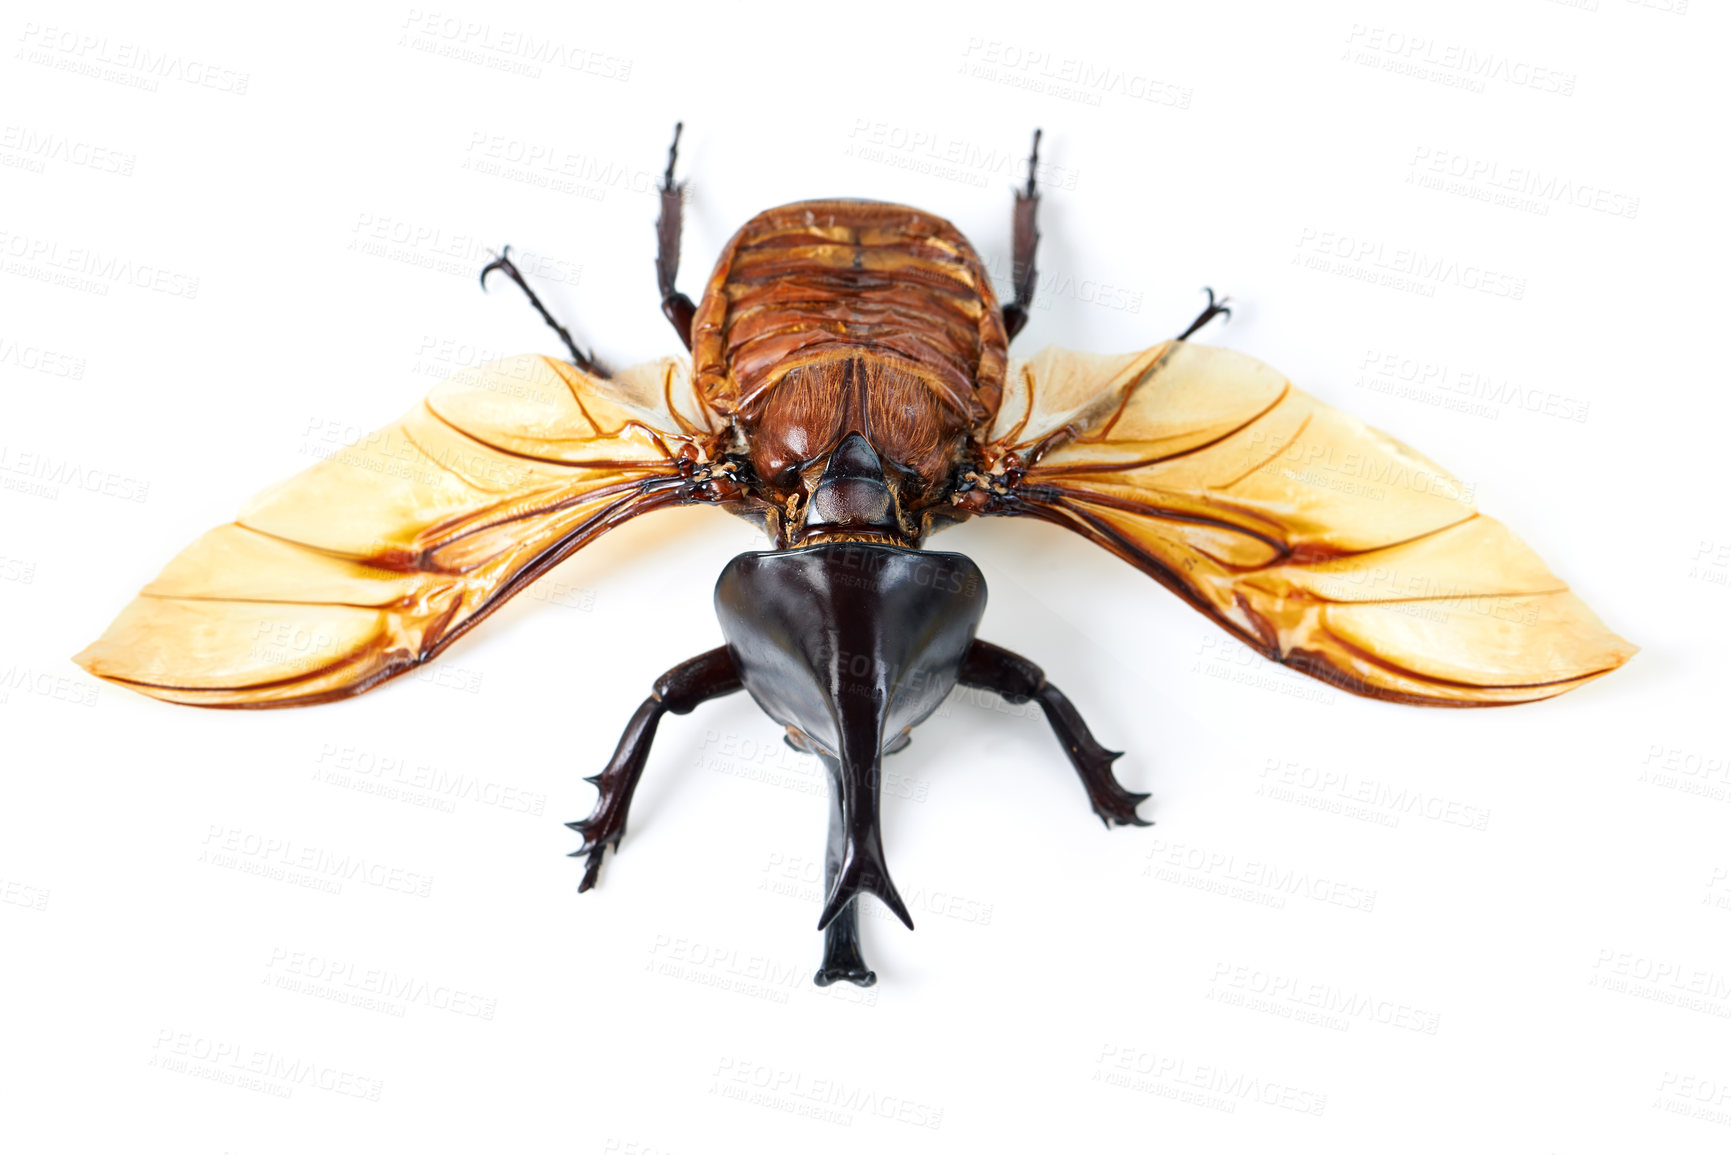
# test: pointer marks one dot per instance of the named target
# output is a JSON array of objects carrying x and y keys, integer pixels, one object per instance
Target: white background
[{"x": 1516, "y": 941}]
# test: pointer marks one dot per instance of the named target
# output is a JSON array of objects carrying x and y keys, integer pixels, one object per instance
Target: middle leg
[
  {"x": 1214, "y": 309},
  {"x": 503, "y": 264}
]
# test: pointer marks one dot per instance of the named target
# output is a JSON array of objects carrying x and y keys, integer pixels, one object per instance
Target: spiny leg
[
  {"x": 503, "y": 263},
  {"x": 842, "y": 960},
  {"x": 1214, "y": 309},
  {"x": 676, "y": 305},
  {"x": 679, "y": 691},
  {"x": 1017, "y": 680},
  {"x": 1025, "y": 241}
]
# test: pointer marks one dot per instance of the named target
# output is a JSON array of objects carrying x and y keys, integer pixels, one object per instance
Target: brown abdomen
[{"x": 822, "y": 281}]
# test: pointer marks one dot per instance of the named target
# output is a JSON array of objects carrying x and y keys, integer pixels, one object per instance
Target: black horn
[{"x": 850, "y": 645}]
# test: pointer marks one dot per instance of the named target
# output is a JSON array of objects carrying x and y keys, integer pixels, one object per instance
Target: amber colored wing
[
  {"x": 376, "y": 558},
  {"x": 1317, "y": 540}
]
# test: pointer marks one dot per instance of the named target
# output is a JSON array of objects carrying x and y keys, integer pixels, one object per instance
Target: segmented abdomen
[{"x": 824, "y": 280}]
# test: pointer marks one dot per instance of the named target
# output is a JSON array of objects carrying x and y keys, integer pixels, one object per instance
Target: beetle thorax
[{"x": 854, "y": 447}]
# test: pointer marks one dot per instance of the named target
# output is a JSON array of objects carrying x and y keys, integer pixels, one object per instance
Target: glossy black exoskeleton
[{"x": 849, "y": 645}]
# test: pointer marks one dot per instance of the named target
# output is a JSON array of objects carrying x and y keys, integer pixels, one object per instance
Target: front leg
[
  {"x": 1016, "y": 679},
  {"x": 679, "y": 691}
]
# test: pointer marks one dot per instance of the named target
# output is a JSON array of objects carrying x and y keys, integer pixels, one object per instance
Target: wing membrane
[
  {"x": 1319, "y": 541},
  {"x": 373, "y": 560}
]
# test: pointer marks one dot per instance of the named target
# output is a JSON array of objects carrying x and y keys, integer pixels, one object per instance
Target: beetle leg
[
  {"x": 1026, "y": 240},
  {"x": 1017, "y": 680},
  {"x": 679, "y": 691},
  {"x": 842, "y": 960},
  {"x": 676, "y": 305},
  {"x": 502, "y": 263},
  {"x": 1214, "y": 309}
]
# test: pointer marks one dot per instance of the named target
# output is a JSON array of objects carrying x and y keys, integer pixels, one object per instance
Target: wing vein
[
  {"x": 1283, "y": 559},
  {"x": 1281, "y": 448},
  {"x": 236, "y": 600},
  {"x": 1158, "y": 459}
]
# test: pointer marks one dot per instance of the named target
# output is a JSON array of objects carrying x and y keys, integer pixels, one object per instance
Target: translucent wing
[
  {"x": 1317, "y": 540},
  {"x": 376, "y": 558}
]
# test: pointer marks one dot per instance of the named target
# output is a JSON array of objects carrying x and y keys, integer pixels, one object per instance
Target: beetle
[{"x": 850, "y": 389}]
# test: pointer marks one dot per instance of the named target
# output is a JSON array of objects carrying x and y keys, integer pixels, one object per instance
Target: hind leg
[
  {"x": 1025, "y": 241},
  {"x": 668, "y": 226},
  {"x": 1016, "y": 679}
]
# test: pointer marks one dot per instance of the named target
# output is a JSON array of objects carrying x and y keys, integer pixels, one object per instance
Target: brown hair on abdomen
[{"x": 822, "y": 281}]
